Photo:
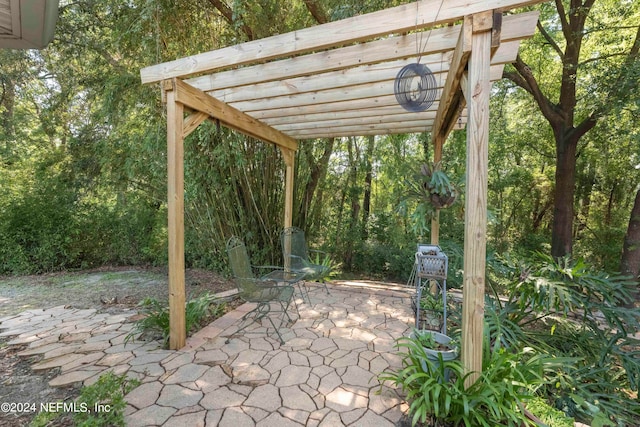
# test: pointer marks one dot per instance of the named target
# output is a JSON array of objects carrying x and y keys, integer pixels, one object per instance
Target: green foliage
[
  {"x": 432, "y": 189},
  {"x": 436, "y": 391},
  {"x": 44, "y": 418},
  {"x": 108, "y": 391},
  {"x": 381, "y": 261},
  {"x": 569, "y": 311},
  {"x": 323, "y": 259},
  {"x": 548, "y": 414},
  {"x": 83, "y": 164},
  {"x": 155, "y": 321}
]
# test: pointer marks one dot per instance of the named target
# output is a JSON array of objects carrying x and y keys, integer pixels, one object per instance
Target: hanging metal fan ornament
[{"x": 415, "y": 87}]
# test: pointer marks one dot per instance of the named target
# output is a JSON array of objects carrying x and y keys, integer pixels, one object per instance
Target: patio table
[{"x": 290, "y": 278}]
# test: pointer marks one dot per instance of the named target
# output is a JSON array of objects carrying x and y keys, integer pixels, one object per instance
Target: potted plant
[
  {"x": 432, "y": 189},
  {"x": 432, "y": 186},
  {"x": 431, "y": 311},
  {"x": 436, "y": 346},
  {"x": 437, "y": 393}
]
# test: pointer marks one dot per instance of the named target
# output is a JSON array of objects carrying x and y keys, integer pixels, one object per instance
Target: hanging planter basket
[{"x": 443, "y": 201}]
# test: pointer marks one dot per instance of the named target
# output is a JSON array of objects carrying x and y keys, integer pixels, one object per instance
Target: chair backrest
[
  {"x": 294, "y": 243},
  {"x": 240, "y": 264}
]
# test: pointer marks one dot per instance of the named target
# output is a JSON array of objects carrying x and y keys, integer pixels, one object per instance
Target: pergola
[{"x": 337, "y": 80}]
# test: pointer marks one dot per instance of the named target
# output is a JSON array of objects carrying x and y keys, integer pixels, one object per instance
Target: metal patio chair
[
  {"x": 296, "y": 256},
  {"x": 261, "y": 291}
]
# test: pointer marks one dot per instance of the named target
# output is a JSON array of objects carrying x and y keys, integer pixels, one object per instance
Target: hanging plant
[{"x": 432, "y": 187}]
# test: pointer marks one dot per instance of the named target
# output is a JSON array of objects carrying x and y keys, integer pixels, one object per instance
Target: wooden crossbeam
[
  {"x": 400, "y": 19},
  {"x": 192, "y": 121},
  {"x": 452, "y": 99},
  {"x": 516, "y": 27},
  {"x": 372, "y": 73},
  {"x": 449, "y": 100},
  {"x": 231, "y": 117},
  {"x": 369, "y": 130},
  {"x": 354, "y": 99}
]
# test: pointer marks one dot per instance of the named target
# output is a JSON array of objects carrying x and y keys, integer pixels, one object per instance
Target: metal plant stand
[{"x": 431, "y": 265}]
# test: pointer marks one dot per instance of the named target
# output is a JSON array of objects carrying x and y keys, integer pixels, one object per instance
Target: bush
[
  {"x": 108, "y": 392},
  {"x": 155, "y": 322},
  {"x": 565, "y": 309},
  {"x": 436, "y": 390}
]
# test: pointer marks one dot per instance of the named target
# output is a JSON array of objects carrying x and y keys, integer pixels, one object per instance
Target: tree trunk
[
  {"x": 7, "y": 100},
  {"x": 354, "y": 198},
  {"x": 562, "y": 230},
  {"x": 630, "y": 261},
  {"x": 366, "y": 203},
  {"x": 318, "y": 172}
]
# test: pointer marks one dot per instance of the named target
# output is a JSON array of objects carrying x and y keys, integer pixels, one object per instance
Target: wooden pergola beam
[
  {"x": 373, "y": 52},
  {"x": 400, "y": 19},
  {"x": 181, "y": 97},
  {"x": 231, "y": 117},
  {"x": 192, "y": 121},
  {"x": 380, "y": 129},
  {"x": 329, "y": 96},
  {"x": 450, "y": 98}
]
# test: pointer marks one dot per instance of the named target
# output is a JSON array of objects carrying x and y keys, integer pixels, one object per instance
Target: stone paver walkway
[{"x": 324, "y": 375}]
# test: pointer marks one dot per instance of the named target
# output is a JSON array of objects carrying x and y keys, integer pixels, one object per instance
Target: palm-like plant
[{"x": 432, "y": 186}]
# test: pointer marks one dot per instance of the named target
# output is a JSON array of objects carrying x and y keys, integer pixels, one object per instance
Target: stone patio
[{"x": 324, "y": 375}]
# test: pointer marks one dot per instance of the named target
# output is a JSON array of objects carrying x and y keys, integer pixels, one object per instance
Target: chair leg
[
  {"x": 260, "y": 312},
  {"x": 256, "y": 314}
]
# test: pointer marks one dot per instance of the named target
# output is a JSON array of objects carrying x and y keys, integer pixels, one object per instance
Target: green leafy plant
[
  {"x": 431, "y": 302},
  {"x": 565, "y": 309},
  {"x": 155, "y": 321},
  {"x": 431, "y": 185},
  {"x": 44, "y": 418},
  {"x": 548, "y": 414},
  {"x": 333, "y": 268},
  {"x": 437, "y": 394},
  {"x": 432, "y": 189},
  {"x": 104, "y": 401},
  {"x": 428, "y": 340}
]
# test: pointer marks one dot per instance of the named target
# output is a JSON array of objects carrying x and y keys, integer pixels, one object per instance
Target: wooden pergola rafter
[{"x": 336, "y": 80}]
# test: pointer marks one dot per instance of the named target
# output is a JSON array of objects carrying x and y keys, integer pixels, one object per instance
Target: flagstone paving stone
[{"x": 325, "y": 374}]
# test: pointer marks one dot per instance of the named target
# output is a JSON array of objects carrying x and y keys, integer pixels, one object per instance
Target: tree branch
[
  {"x": 550, "y": 40},
  {"x": 562, "y": 14},
  {"x": 316, "y": 11},
  {"x": 227, "y": 13},
  {"x": 528, "y": 82},
  {"x": 601, "y": 57}
]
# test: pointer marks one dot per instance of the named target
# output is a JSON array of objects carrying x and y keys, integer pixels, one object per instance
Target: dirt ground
[{"x": 109, "y": 289}]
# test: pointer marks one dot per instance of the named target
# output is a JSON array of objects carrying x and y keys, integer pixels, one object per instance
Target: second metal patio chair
[
  {"x": 296, "y": 256},
  {"x": 256, "y": 290}
]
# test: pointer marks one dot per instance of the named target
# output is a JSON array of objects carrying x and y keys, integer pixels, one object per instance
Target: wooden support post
[
  {"x": 475, "y": 226},
  {"x": 175, "y": 208},
  {"x": 435, "y": 228},
  {"x": 289, "y": 160}
]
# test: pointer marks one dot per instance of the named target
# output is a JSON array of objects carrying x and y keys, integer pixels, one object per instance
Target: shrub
[
  {"x": 565, "y": 309},
  {"x": 155, "y": 321},
  {"x": 109, "y": 392},
  {"x": 436, "y": 391}
]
